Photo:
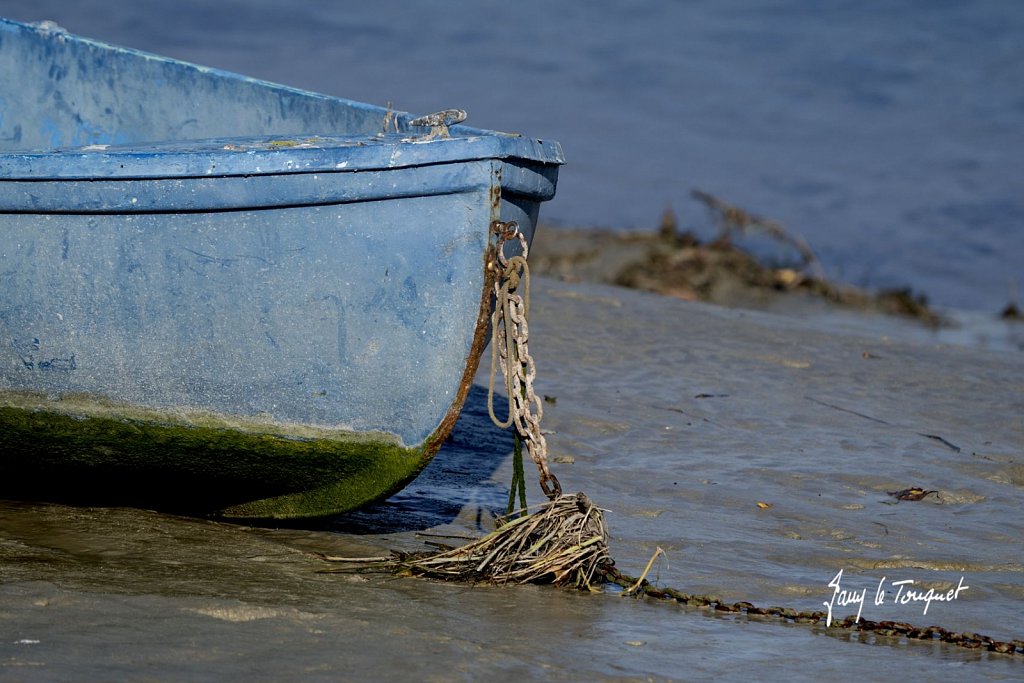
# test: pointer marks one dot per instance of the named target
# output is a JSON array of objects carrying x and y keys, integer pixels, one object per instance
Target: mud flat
[{"x": 758, "y": 450}]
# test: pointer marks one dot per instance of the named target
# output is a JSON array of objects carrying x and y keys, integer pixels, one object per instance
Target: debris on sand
[
  {"x": 676, "y": 263},
  {"x": 564, "y": 542},
  {"x": 913, "y": 493}
]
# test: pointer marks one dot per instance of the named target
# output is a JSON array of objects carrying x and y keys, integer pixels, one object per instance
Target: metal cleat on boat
[{"x": 439, "y": 122}]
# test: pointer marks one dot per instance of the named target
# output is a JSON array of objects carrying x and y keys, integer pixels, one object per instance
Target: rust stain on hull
[{"x": 476, "y": 350}]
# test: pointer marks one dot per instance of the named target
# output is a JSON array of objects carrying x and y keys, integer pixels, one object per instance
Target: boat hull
[
  {"x": 224, "y": 296},
  {"x": 259, "y": 364}
]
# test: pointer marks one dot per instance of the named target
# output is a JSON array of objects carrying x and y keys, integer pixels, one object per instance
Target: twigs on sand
[
  {"x": 563, "y": 542},
  {"x": 640, "y": 582},
  {"x": 732, "y": 218}
]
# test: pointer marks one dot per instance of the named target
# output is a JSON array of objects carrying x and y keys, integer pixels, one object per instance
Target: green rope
[{"x": 518, "y": 481}]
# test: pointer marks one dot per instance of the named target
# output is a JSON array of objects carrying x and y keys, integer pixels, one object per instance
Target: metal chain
[
  {"x": 509, "y": 335},
  {"x": 892, "y": 629}
]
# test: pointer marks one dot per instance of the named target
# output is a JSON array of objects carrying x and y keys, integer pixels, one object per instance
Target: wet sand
[{"x": 678, "y": 418}]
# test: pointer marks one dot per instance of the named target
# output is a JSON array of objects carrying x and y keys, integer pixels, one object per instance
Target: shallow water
[
  {"x": 887, "y": 134},
  {"x": 678, "y": 418}
]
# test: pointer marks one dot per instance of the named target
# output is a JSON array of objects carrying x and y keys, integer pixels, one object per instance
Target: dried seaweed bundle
[{"x": 564, "y": 542}]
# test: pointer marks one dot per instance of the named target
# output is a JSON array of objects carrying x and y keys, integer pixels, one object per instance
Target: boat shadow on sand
[{"x": 460, "y": 482}]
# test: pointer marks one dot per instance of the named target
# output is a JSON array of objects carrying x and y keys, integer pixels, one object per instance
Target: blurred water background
[{"x": 888, "y": 134}]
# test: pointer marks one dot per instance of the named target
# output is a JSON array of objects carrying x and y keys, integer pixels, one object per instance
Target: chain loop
[{"x": 509, "y": 351}]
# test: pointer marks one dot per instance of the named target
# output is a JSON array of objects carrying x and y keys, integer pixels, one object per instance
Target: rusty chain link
[
  {"x": 509, "y": 350},
  {"x": 891, "y": 629}
]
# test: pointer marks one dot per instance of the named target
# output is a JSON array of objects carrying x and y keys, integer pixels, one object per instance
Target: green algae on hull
[{"x": 85, "y": 450}]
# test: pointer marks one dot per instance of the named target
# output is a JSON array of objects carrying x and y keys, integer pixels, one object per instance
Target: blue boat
[{"x": 224, "y": 296}]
